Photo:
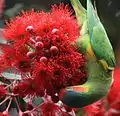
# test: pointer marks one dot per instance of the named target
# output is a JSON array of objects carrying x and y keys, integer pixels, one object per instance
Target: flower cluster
[
  {"x": 41, "y": 45},
  {"x": 40, "y": 48},
  {"x": 52, "y": 109}
]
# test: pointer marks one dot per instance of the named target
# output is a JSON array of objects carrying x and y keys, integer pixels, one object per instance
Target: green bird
[{"x": 96, "y": 47}]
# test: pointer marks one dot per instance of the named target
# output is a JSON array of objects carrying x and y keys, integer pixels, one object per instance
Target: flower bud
[
  {"x": 39, "y": 45},
  {"x": 54, "y": 49},
  {"x": 55, "y": 30},
  {"x": 38, "y": 38},
  {"x": 31, "y": 54},
  {"x": 29, "y": 29},
  {"x": 44, "y": 60}
]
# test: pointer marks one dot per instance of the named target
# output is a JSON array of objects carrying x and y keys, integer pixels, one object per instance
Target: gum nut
[
  {"x": 44, "y": 60},
  {"x": 53, "y": 49},
  {"x": 55, "y": 30},
  {"x": 39, "y": 44},
  {"x": 31, "y": 54},
  {"x": 38, "y": 38},
  {"x": 29, "y": 28}
]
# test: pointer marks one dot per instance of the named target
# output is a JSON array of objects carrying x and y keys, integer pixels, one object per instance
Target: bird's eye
[{"x": 109, "y": 71}]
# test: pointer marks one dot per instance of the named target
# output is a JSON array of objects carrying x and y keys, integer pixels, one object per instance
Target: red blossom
[
  {"x": 42, "y": 45},
  {"x": 42, "y": 76},
  {"x": 17, "y": 26},
  {"x": 24, "y": 88},
  {"x": 114, "y": 107},
  {"x": 21, "y": 50},
  {"x": 8, "y": 54},
  {"x": 51, "y": 109},
  {"x": 3, "y": 91},
  {"x": 1, "y": 114},
  {"x": 66, "y": 24},
  {"x": 22, "y": 63},
  {"x": 95, "y": 109},
  {"x": 115, "y": 89},
  {"x": 14, "y": 57},
  {"x": 5, "y": 113},
  {"x": 3, "y": 63},
  {"x": 43, "y": 24}
]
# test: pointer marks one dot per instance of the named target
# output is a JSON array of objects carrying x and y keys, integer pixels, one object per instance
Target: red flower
[
  {"x": 8, "y": 55},
  {"x": 3, "y": 91},
  {"x": 17, "y": 26},
  {"x": 14, "y": 57},
  {"x": 24, "y": 88},
  {"x": 22, "y": 63},
  {"x": 95, "y": 109},
  {"x": 43, "y": 24},
  {"x": 3, "y": 63},
  {"x": 67, "y": 24},
  {"x": 5, "y": 113},
  {"x": 114, "y": 108},
  {"x": 42, "y": 76},
  {"x": 1, "y": 114},
  {"x": 115, "y": 89},
  {"x": 42, "y": 46},
  {"x": 51, "y": 109}
]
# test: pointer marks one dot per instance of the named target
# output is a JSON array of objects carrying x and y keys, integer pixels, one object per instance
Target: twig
[
  {"x": 5, "y": 100},
  {"x": 9, "y": 105}
]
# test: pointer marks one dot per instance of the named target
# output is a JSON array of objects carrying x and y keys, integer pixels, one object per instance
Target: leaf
[
  {"x": 22, "y": 103},
  {"x": 2, "y": 40},
  {"x": 11, "y": 73},
  {"x": 27, "y": 99},
  {"x": 37, "y": 101},
  {"x": 12, "y": 12}
]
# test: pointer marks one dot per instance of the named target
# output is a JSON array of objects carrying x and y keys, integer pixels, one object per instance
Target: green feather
[
  {"x": 81, "y": 16},
  {"x": 95, "y": 46},
  {"x": 99, "y": 39},
  {"x": 98, "y": 85},
  {"x": 80, "y": 11}
]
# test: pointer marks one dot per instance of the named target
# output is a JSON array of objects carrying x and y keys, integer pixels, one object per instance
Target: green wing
[
  {"x": 81, "y": 15},
  {"x": 99, "y": 40},
  {"x": 80, "y": 11},
  {"x": 95, "y": 45}
]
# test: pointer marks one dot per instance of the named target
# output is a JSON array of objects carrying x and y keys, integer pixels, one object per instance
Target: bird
[{"x": 100, "y": 60}]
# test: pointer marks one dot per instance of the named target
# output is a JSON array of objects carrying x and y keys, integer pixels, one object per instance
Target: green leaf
[
  {"x": 22, "y": 103},
  {"x": 37, "y": 101},
  {"x": 2, "y": 40},
  {"x": 11, "y": 73}
]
